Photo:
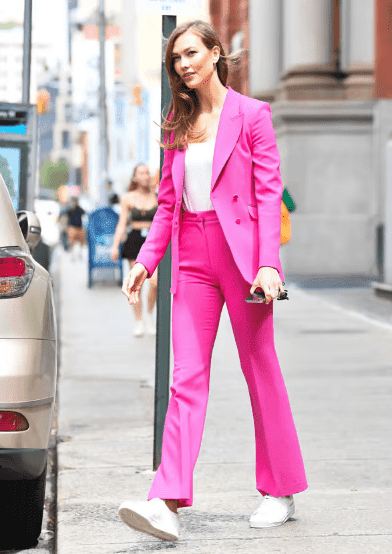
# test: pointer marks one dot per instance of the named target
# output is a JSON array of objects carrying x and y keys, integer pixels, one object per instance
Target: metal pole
[
  {"x": 103, "y": 145},
  {"x": 70, "y": 23},
  {"x": 162, "y": 353},
  {"x": 26, "y": 51},
  {"x": 70, "y": 7}
]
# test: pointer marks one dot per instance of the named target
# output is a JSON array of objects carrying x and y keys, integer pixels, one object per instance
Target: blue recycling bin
[{"x": 101, "y": 227}]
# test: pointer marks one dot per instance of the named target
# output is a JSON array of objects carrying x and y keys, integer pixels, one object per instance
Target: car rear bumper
[
  {"x": 36, "y": 437},
  {"x": 28, "y": 369},
  {"x": 22, "y": 463}
]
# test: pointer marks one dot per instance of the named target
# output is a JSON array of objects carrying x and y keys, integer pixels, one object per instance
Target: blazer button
[
  {"x": 238, "y": 220},
  {"x": 235, "y": 197}
]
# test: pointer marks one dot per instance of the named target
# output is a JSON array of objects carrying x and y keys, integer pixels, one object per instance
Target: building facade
[
  {"x": 11, "y": 64},
  {"x": 315, "y": 63}
]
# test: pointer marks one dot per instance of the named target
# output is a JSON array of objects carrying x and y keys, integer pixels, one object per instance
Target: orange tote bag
[{"x": 285, "y": 230}]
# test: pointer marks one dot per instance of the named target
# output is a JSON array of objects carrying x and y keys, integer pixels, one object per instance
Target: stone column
[
  {"x": 357, "y": 48},
  {"x": 307, "y": 52},
  {"x": 264, "y": 48}
]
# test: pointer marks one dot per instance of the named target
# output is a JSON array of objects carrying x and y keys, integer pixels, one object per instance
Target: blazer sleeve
[
  {"x": 159, "y": 235},
  {"x": 268, "y": 186}
]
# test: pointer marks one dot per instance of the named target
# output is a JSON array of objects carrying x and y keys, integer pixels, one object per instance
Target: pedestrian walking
[
  {"x": 62, "y": 221},
  {"x": 113, "y": 199},
  {"x": 219, "y": 202},
  {"x": 138, "y": 207},
  {"x": 75, "y": 230}
]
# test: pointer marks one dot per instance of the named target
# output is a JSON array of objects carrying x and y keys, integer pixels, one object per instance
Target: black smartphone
[{"x": 258, "y": 297}]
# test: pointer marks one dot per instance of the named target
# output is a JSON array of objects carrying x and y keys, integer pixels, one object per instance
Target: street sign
[{"x": 168, "y": 7}]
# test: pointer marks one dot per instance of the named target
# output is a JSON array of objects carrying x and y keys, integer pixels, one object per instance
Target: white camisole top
[{"x": 198, "y": 175}]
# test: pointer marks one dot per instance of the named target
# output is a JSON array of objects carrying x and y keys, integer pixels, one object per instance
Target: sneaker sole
[
  {"x": 139, "y": 523},
  {"x": 264, "y": 525}
]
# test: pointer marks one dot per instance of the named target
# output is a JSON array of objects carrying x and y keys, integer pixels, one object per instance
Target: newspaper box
[{"x": 101, "y": 227}]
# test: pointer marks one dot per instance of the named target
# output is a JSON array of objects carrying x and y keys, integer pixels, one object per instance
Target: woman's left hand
[
  {"x": 114, "y": 255},
  {"x": 268, "y": 280}
]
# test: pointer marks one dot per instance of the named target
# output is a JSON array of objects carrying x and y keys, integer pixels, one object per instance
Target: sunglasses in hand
[{"x": 258, "y": 296}]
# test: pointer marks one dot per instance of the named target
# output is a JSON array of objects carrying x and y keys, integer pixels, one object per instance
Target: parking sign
[{"x": 169, "y": 7}]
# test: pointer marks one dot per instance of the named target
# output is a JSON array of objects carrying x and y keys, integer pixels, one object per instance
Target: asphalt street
[{"x": 337, "y": 364}]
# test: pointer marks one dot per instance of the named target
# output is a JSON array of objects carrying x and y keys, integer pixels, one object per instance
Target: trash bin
[{"x": 101, "y": 227}]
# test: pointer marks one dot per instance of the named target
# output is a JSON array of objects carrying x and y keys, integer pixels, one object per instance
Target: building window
[
  {"x": 120, "y": 153},
  {"x": 66, "y": 139},
  {"x": 68, "y": 113},
  {"x": 119, "y": 111},
  {"x": 78, "y": 176}
]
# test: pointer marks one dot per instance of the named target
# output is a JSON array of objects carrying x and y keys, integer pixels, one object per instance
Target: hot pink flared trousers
[{"x": 208, "y": 276}]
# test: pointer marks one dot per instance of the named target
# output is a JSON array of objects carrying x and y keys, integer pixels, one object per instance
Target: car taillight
[
  {"x": 13, "y": 421},
  {"x": 16, "y": 272},
  {"x": 12, "y": 267}
]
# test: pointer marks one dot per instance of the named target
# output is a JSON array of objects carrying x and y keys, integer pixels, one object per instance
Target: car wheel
[{"x": 21, "y": 511}]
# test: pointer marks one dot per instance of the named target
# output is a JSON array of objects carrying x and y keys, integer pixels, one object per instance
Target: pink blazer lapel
[{"x": 230, "y": 125}]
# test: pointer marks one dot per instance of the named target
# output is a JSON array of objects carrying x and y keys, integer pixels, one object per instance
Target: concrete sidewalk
[{"x": 338, "y": 371}]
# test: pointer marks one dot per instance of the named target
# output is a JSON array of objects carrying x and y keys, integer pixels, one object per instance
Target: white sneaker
[
  {"x": 273, "y": 511},
  {"x": 152, "y": 517},
  {"x": 139, "y": 328},
  {"x": 150, "y": 323}
]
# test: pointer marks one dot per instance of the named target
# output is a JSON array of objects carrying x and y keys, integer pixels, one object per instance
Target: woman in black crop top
[{"x": 138, "y": 207}]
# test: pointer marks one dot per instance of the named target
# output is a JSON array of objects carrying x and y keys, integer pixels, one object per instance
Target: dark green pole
[{"x": 162, "y": 352}]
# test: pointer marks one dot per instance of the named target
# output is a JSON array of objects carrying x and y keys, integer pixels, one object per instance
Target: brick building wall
[{"x": 229, "y": 17}]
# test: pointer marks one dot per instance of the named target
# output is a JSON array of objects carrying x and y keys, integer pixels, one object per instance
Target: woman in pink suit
[{"x": 219, "y": 202}]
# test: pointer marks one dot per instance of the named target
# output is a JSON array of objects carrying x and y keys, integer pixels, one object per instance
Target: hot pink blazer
[{"x": 246, "y": 191}]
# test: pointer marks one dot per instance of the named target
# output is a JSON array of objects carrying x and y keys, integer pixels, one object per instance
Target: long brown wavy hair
[
  {"x": 184, "y": 103},
  {"x": 133, "y": 184}
]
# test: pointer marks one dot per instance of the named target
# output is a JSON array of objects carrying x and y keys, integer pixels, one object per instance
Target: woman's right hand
[{"x": 133, "y": 282}]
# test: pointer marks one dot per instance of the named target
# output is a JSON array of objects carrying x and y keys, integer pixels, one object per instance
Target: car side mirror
[{"x": 30, "y": 227}]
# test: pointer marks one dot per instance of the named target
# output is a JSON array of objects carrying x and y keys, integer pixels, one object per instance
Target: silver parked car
[{"x": 28, "y": 372}]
